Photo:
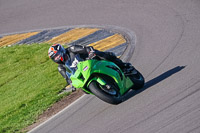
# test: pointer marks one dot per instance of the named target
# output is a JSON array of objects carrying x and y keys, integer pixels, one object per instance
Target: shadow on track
[{"x": 153, "y": 82}]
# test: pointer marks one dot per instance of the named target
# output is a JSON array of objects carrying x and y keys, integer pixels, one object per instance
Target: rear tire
[
  {"x": 138, "y": 80},
  {"x": 97, "y": 90}
]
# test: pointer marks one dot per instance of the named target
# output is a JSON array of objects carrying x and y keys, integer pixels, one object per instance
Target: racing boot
[
  {"x": 129, "y": 69},
  {"x": 68, "y": 88}
]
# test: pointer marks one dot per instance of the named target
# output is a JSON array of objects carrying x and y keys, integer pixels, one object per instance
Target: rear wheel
[
  {"x": 108, "y": 93},
  {"x": 137, "y": 79}
]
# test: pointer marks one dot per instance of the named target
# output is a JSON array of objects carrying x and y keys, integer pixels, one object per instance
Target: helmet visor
[{"x": 58, "y": 58}]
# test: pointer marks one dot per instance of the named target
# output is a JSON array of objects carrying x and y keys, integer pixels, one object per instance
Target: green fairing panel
[
  {"x": 82, "y": 74},
  {"x": 86, "y": 68},
  {"x": 76, "y": 80}
]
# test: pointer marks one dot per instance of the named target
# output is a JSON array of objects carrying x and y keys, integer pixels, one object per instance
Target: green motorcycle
[{"x": 105, "y": 80}]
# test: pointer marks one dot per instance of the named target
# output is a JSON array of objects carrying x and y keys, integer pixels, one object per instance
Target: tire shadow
[{"x": 152, "y": 82}]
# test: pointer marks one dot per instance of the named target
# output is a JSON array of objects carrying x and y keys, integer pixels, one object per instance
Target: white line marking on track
[{"x": 56, "y": 114}]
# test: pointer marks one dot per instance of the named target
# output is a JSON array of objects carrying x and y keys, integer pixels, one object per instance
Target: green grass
[{"x": 29, "y": 84}]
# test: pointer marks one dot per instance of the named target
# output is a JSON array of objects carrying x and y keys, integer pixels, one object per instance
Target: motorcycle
[{"x": 104, "y": 79}]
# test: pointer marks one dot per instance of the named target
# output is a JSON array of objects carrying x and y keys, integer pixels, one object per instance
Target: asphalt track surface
[{"x": 167, "y": 53}]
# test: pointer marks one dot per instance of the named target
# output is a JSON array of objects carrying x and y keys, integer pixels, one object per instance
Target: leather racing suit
[{"x": 83, "y": 52}]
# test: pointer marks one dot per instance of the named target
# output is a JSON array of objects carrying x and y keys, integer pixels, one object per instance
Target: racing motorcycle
[{"x": 104, "y": 79}]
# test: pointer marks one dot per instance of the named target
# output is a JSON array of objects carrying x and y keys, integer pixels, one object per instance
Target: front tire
[{"x": 113, "y": 98}]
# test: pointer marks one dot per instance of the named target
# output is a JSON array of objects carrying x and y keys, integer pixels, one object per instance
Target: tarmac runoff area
[{"x": 101, "y": 38}]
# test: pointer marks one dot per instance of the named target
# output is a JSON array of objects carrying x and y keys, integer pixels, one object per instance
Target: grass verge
[{"x": 29, "y": 84}]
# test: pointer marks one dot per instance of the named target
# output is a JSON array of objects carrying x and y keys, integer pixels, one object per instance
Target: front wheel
[{"x": 108, "y": 94}]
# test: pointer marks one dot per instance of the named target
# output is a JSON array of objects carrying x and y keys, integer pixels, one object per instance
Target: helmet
[{"x": 57, "y": 53}]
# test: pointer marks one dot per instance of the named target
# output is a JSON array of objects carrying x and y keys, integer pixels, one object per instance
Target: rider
[{"x": 60, "y": 55}]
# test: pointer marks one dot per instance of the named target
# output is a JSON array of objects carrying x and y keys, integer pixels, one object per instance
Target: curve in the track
[
  {"x": 101, "y": 38},
  {"x": 167, "y": 53}
]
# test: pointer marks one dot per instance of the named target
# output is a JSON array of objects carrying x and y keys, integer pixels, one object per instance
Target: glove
[
  {"x": 91, "y": 52},
  {"x": 91, "y": 55}
]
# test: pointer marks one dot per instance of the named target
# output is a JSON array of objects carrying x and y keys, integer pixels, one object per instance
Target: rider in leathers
[{"x": 61, "y": 55}]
